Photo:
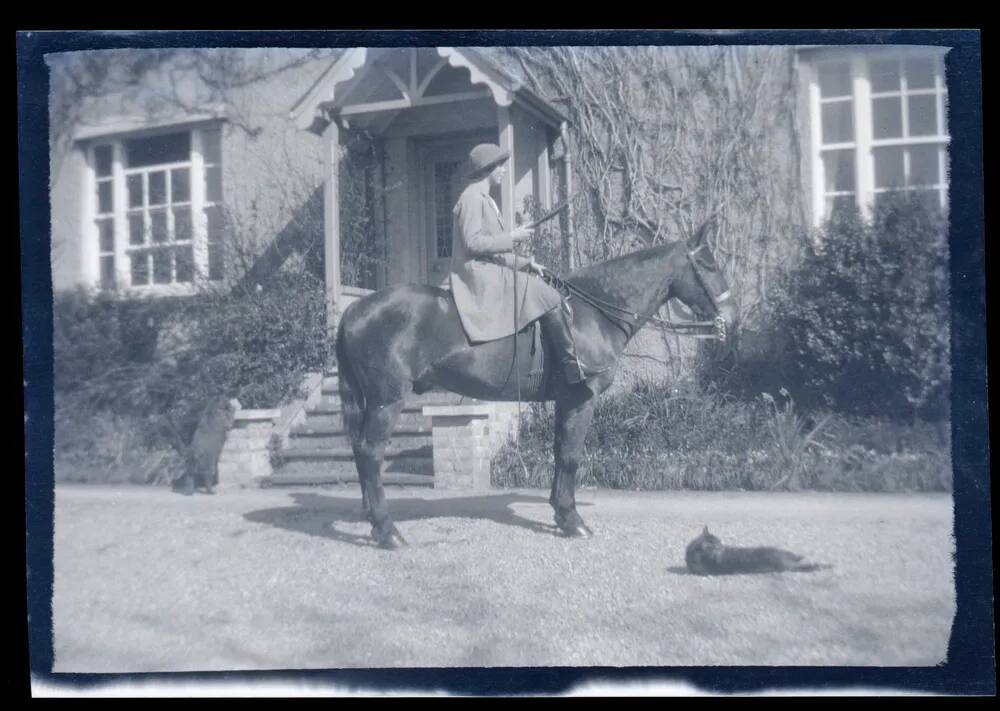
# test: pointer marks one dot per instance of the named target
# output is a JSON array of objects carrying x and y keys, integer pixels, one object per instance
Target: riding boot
[{"x": 556, "y": 328}]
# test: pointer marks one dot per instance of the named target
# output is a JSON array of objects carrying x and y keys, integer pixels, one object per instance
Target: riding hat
[{"x": 484, "y": 158}]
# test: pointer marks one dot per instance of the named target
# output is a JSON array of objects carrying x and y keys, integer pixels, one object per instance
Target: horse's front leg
[{"x": 574, "y": 412}]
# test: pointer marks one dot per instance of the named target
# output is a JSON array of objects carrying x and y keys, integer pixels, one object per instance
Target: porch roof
[{"x": 309, "y": 112}]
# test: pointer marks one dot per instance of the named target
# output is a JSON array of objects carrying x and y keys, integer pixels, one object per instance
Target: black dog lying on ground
[
  {"x": 201, "y": 458},
  {"x": 707, "y": 555}
]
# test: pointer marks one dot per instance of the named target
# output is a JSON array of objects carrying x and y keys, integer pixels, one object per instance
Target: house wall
[
  {"x": 67, "y": 183},
  {"x": 269, "y": 166}
]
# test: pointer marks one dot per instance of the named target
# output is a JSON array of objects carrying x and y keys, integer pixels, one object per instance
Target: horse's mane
[{"x": 595, "y": 275}]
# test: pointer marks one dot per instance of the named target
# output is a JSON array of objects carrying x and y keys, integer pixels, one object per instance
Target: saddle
[
  {"x": 527, "y": 373},
  {"x": 525, "y": 356}
]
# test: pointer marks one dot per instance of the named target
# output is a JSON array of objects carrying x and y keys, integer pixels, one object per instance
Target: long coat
[{"x": 482, "y": 271}]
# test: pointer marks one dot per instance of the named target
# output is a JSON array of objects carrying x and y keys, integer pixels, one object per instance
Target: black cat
[
  {"x": 202, "y": 455},
  {"x": 707, "y": 555}
]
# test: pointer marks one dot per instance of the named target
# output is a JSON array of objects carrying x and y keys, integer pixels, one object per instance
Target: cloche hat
[{"x": 484, "y": 158}]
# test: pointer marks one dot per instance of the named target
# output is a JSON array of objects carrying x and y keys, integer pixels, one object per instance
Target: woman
[{"x": 483, "y": 267}]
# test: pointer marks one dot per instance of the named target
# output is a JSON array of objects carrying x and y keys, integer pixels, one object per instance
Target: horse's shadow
[{"x": 318, "y": 514}]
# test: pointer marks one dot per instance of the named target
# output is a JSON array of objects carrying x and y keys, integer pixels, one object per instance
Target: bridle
[
  {"x": 628, "y": 320},
  {"x": 717, "y": 301}
]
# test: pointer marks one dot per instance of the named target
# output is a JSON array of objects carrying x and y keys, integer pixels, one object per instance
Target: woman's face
[{"x": 496, "y": 175}]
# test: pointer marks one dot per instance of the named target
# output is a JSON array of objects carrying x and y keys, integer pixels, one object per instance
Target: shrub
[
  {"x": 258, "y": 344},
  {"x": 100, "y": 447},
  {"x": 115, "y": 382},
  {"x": 866, "y": 313},
  {"x": 668, "y": 438}
]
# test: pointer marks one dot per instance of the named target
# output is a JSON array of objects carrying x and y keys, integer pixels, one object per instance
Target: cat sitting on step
[
  {"x": 201, "y": 457},
  {"x": 708, "y": 555}
]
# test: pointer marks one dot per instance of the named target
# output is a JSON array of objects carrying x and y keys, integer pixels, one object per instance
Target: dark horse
[{"x": 408, "y": 338}]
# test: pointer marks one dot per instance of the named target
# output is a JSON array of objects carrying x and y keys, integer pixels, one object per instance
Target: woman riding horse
[
  {"x": 413, "y": 338},
  {"x": 483, "y": 266}
]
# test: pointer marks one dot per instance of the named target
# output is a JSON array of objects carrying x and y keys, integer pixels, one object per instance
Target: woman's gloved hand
[{"x": 535, "y": 267}]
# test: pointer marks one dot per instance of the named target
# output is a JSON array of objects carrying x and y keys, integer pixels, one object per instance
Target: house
[
  {"x": 138, "y": 187},
  {"x": 426, "y": 108},
  {"x": 138, "y": 194},
  {"x": 144, "y": 186}
]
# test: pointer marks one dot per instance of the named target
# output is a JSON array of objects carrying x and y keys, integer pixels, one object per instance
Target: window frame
[
  {"x": 198, "y": 203},
  {"x": 864, "y": 143}
]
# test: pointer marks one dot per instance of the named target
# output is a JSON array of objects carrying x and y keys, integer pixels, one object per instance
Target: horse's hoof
[
  {"x": 577, "y": 530},
  {"x": 393, "y": 540},
  {"x": 573, "y": 526}
]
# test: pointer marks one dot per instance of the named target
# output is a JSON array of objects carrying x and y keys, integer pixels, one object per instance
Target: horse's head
[{"x": 701, "y": 285}]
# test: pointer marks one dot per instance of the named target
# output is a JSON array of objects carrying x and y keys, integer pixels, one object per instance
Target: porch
[{"x": 421, "y": 110}]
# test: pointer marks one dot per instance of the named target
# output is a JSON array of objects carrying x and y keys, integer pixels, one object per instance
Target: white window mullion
[
  {"x": 943, "y": 177},
  {"x": 816, "y": 140},
  {"x": 147, "y": 226},
  {"x": 864, "y": 159},
  {"x": 123, "y": 274},
  {"x": 904, "y": 101},
  {"x": 199, "y": 221},
  {"x": 168, "y": 179},
  {"x": 939, "y": 98},
  {"x": 90, "y": 261}
]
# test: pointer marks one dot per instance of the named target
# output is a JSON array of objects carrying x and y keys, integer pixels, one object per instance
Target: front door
[{"x": 444, "y": 177}]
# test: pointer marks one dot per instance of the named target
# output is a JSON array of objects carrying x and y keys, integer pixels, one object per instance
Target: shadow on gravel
[
  {"x": 683, "y": 570},
  {"x": 679, "y": 570},
  {"x": 318, "y": 514}
]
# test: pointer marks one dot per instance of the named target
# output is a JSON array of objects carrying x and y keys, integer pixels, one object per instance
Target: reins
[{"x": 628, "y": 320}]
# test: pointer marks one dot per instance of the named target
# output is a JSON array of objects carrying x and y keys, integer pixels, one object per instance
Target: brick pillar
[
  {"x": 246, "y": 457},
  {"x": 463, "y": 445}
]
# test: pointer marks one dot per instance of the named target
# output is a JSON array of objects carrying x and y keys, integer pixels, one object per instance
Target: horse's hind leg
[
  {"x": 369, "y": 450},
  {"x": 574, "y": 412}
]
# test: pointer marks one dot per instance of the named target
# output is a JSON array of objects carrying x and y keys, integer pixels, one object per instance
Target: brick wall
[{"x": 246, "y": 456}]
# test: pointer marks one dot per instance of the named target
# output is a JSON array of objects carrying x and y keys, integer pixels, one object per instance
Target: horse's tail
[{"x": 352, "y": 397}]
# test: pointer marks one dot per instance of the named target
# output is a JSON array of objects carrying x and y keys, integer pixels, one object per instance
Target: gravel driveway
[{"x": 148, "y": 580}]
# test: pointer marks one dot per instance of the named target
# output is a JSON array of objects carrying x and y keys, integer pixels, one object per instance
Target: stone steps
[
  {"x": 333, "y": 419},
  {"x": 343, "y": 468},
  {"x": 327, "y": 438},
  {"x": 331, "y": 400},
  {"x": 392, "y": 451},
  {"x": 292, "y": 475},
  {"x": 319, "y": 450}
]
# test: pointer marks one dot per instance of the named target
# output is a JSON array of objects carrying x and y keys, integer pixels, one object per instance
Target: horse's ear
[
  {"x": 705, "y": 532},
  {"x": 701, "y": 234}
]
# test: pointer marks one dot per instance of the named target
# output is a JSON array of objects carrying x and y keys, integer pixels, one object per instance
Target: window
[
  {"x": 444, "y": 200},
  {"x": 157, "y": 217},
  {"x": 878, "y": 125}
]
